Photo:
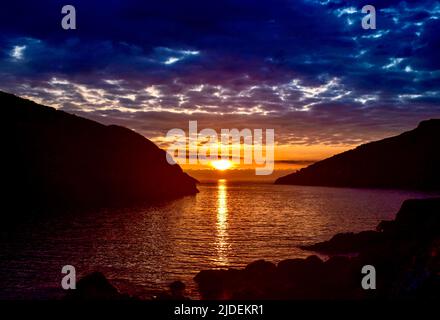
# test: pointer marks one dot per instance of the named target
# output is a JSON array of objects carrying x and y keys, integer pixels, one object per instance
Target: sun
[{"x": 221, "y": 164}]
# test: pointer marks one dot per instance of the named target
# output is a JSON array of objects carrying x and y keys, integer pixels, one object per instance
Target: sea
[{"x": 142, "y": 249}]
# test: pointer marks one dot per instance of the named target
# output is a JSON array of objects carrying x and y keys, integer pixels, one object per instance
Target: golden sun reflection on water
[{"x": 222, "y": 241}]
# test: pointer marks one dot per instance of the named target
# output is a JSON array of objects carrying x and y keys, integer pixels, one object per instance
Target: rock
[
  {"x": 177, "y": 292},
  {"x": 417, "y": 220},
  {"x": 419, "y": 217},
  {"x": 95, "y": 286},
  {"x": 344, "y": 243},
  {"x": 260, "y": 267},
  {"x": 220, "y": 284},
  {"x": 308, "y": 278}
]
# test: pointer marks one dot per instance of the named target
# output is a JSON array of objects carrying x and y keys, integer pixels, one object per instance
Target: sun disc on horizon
[{"x": 221, "y": 165}]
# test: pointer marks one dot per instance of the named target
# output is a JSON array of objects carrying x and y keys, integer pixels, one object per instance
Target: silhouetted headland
[
  {"x": 58, "y": 159},
  {"x": 407, "y": 161}
]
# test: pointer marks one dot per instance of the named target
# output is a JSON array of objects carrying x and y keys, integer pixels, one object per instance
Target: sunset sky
[{"x": 304, "y": 68}]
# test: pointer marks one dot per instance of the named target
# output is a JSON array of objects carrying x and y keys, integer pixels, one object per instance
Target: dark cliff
[{"x": 52, "y": 158}]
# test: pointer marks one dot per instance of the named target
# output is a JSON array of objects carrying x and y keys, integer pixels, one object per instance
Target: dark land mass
[
  {"x": 407, "y": 161},
  {"x": 405, "y": 253},
  {"x": 55, "y": 159}
]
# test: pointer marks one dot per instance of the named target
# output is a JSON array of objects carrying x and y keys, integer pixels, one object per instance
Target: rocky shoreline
[{"x": 405, "y": 253}]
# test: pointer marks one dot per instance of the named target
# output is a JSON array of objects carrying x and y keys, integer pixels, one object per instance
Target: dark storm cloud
[{"x": 305, "y": 68}]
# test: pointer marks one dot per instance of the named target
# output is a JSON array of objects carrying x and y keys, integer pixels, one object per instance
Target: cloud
[{"x": 305, "y": 68}]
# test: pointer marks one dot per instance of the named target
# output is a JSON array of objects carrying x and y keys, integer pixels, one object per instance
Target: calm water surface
[{"x": 142, "y": 249}]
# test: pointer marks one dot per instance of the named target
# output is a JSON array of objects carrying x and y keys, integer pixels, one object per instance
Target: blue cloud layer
[{"x": 306, "y": 68}]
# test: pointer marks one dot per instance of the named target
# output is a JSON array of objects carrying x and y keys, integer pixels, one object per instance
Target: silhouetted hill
[
  {"x": 57, "y": 159},
  {"x": 408, "y": 161}
]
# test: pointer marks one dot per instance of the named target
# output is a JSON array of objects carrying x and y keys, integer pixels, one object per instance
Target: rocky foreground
[{"x": 405, "y": 253}]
